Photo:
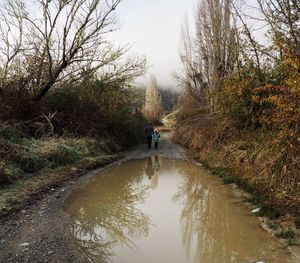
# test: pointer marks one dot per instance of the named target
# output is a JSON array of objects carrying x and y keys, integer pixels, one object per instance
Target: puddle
[{"x": 166, "y": 211}]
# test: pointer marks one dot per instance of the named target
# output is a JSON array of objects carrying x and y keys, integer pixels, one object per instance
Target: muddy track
[{"x": 39, "y": 232}]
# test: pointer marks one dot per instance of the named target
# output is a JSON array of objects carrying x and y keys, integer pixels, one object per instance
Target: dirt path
[{"x": 39, "y": 232}]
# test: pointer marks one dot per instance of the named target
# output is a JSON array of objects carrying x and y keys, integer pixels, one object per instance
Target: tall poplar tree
[{"x": 153, "y": 104}]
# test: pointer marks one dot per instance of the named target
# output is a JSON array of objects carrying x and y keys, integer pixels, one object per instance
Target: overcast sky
[{"x": 154, "y": 27}]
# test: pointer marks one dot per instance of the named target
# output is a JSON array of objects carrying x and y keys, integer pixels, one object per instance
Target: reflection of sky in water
[{"x": 159, "y": 210}]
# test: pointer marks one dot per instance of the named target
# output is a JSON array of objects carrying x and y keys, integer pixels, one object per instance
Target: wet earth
[{"x": 151, "y": 206}]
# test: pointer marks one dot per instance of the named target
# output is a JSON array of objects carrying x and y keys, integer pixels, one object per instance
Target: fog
[{"x": 154, "y": 28}]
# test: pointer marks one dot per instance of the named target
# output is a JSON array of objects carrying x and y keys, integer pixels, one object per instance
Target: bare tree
[
  {"x": 192, "y": 77},
  {"x": 283, "y": 17},
  {"x": 212, "y": 53},
  {"x": 255, "y": 47},
  {"x": 11, "y": 38},
  {"x": 59, "y": 39},
  {"x": 11, "y": 34}
]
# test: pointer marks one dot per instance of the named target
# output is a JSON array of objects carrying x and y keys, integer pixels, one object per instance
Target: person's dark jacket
[{"x": 149, "y": 130}]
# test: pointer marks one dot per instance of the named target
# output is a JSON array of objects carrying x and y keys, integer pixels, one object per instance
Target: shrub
[
  {"x": 27, "y": 163},
  {"x": 235, "y": 101},
  {"x": 8, "y": 173},
  {"x": 59, "y": 153},
  {"x": 287, "y": 234}
]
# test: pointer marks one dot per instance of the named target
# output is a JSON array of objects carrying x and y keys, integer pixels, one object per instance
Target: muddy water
[{"x": 166, "y": 211}]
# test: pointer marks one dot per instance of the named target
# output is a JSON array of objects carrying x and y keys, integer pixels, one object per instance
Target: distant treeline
[{"x": 169, "y": 98}]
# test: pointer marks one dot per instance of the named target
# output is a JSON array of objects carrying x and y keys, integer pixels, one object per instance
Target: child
[
  {"x": 156, "y": 164},
  {"x": 155, "y": 137}
]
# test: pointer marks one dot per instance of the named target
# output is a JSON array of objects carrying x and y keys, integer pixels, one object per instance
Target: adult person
[{"x": 149, "y": 131}]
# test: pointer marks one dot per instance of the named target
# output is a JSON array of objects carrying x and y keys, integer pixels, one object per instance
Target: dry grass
[
  {"x": 22, "y": 156},
  {"x": 272, "y": 170}
]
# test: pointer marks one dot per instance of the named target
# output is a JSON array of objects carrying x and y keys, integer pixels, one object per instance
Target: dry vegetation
[
  {"x": 254, "y": 161},
  {"x": 23, "y": 156},
  {"x": 65, "y": 91},
  {"x": 240, "y": 112}
]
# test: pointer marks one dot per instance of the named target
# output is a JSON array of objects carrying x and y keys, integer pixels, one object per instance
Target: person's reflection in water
[
  {"x": 152, "y": 171},
  {"x": 156, "y": 168},
  {"x": 149, "y": 168}
]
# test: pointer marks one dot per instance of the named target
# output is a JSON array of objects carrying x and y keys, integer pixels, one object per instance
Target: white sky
[{"x": 154, "y": 27}]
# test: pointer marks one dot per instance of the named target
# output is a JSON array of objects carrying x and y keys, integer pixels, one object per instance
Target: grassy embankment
[
  {"x": 30, "y": 166},
  {"x": 252, "y": 161},
  {"x": 76, "y": 127}
]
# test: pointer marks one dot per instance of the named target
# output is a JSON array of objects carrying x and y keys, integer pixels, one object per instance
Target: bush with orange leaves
[
  {"x": 271, "y": 105},
  {"x": 266, "y": 114}
]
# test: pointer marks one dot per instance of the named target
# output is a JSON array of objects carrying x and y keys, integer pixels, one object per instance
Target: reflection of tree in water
[
  {"x": 104, "y": 212},
  {"x": 149, "y": 168},
  {"x": 212, "y": 229}
]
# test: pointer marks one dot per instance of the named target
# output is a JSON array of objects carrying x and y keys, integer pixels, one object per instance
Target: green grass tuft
[
  {"x": 288, "y": 233},
  {"x": 297, "y": 222},
  {"x": 269, "y": 212},
  {"x": 223, "y": 173},
  {"x": 22, "y": 156},
  {"x": 9, "y": 173},
  {"x": 273, "y": 224}
]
